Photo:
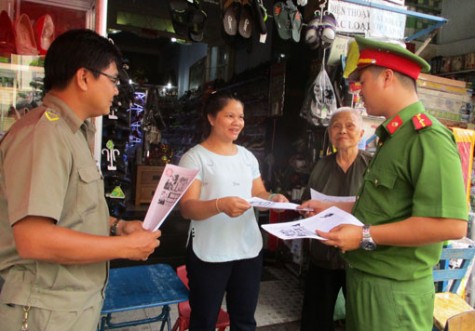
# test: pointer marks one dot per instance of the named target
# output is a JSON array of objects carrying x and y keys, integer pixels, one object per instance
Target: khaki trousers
[{"x": 12, "y": 316}]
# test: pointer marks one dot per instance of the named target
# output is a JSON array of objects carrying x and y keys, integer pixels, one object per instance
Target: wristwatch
[
  {"x": 367, "y": 243},
  {"x": 113, "y": 228}
]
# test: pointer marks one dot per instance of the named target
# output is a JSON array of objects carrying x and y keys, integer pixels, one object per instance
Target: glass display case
[
  {"x": 20, "y": 90},
  {"x": 25, "y": 25}
]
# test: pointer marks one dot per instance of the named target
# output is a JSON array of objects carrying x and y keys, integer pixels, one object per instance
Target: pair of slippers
[
  {"x": 188, "y": 19},
  {"x": 238, "y": 17},
  {"x": 321, "y": 31},
  {"x": 20, "y": 37},
  {"x": 288, "y": 20}
]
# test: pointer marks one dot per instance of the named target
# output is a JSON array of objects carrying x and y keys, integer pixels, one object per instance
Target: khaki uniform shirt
[{"x": 47, "y": 169}]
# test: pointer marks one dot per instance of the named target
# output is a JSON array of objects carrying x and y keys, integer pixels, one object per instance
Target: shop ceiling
[{"x": 146, "y": 26}]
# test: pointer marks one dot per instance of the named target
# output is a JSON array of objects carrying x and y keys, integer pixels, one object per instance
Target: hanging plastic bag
[{"x": 320, "y": 101}]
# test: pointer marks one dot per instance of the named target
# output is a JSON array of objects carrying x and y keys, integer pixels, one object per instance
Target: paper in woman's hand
[
  {"x": 261, "y": 203},
  {"x": 306, "y": 227}
]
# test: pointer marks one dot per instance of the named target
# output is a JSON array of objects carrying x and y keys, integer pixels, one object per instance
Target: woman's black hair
[{"x": 213, "y": 103}]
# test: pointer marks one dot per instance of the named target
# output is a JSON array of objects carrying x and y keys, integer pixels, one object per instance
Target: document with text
[
  {"x": 261, "y": 203},
  {"x": 306, "y": 227},
  {"x": 174, "y": 182}
]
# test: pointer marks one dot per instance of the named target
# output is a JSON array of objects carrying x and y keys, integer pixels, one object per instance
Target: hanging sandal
[
  {"x": 282, "y": 20},
  {"x": 197, "y": 22},
  {"x": 260, "y": 13},
  {"x": 245, "y": 20},
  {"x": 296, "y": 21},
  {"x": 179, "y": 11},
  {"x": 231, "y": 11}
]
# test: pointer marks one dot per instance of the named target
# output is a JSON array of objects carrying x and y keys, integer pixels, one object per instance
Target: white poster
[{"x": 369, "y": 21}]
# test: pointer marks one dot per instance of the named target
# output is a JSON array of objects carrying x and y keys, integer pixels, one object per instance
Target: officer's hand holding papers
[
  {"x": 321, "y": 215},
  {"x": 307, "y": 227}
]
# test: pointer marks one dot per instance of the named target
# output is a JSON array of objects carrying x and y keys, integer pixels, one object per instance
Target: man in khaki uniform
[{"x": 54, "y": 220}]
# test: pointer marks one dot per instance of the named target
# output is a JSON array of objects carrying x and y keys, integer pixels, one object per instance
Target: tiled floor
[{"x": 279, "y": 306}]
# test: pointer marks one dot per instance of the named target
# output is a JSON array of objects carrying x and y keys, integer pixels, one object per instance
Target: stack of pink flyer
[{"x": 173, "y": 184}]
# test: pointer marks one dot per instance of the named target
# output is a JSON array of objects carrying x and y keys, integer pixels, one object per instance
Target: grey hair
[{"x": 353, "y": 111}]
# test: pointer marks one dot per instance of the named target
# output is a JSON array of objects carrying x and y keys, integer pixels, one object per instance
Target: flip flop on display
[
  {"x": 197, "y": 22},
  {"x": 179, "y": 11},
  {"x": 282, "y": 20},
  {"x": 230, "y": 16},
  {"x": 245, "y": 20},
  {"x": 260, "y": 12},
  {"x": 296, "y": 21}
]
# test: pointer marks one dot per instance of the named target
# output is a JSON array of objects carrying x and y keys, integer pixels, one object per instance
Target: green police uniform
[
  {"x": 416, "y": 172},
  {"x": 47, "y": 169}
]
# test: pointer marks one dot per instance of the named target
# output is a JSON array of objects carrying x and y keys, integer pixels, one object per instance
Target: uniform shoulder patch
[
  {"x": 51, "y": 116},
  {"x": 421, "y": 121}
]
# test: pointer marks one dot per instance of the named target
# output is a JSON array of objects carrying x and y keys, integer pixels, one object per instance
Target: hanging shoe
[
  {"x": 197, "y": 22},
  {"x": 329, "y": 25},
  {"x": 245, "y": 25},
  {"x": 260, "y": 12},
  {"x": 313, "y": 32},
  {"x": 24, "y": 37},
  {"x": 231, "y": 11},
  {"x": 296, "y": 22},
  {"x": 282, "y": 21},
  {"x": 7, "y": 35},
  {"x": 179, "y": 11},
  {"x": 44, "y": 28}
]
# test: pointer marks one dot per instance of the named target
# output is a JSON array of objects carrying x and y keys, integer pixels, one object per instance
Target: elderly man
[{"x": 408, "y": 202}]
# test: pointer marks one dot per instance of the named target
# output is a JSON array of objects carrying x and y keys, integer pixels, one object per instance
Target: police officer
[{"x": 412, "y": 199}]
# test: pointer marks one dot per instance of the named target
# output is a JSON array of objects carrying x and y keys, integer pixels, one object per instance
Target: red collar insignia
[
  {"x": 421, "y": 121},
  {"x": 395, "y": 124}
]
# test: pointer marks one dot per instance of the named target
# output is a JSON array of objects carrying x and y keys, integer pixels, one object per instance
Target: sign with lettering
[{"x": 370, "y": 21}]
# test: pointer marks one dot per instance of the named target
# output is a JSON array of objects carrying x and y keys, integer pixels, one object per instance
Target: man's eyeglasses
[{"x": 113, "y": 79}]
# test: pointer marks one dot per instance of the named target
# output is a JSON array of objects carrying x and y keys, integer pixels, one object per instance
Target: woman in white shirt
[{"x": 224, "y": 240}]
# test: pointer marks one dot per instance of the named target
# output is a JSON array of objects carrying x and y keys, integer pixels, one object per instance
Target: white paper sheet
[
  {"x": 174, "y": 182},
  {"x": 305, "y": 228},
  {"x": 261, "y": 203},
  {"x": 315, "y": 195}
]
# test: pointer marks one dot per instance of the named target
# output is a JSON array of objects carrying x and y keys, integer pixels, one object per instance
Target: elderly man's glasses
[{"x": 115, "y": 80}]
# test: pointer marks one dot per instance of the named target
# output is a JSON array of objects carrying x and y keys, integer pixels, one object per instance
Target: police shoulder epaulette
[{"x": 421, "y": 121}]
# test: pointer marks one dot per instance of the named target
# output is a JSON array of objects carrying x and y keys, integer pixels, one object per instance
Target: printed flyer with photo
[
  {"x": 306, "y": 227},
  {"x": 173, "y": 184}
]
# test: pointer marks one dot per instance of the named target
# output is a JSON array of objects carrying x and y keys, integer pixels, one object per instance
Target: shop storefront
[{"x": 285, "y": 60}]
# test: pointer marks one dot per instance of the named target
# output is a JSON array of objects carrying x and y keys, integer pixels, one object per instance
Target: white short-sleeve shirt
[{"x": 222, "y": 238}]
